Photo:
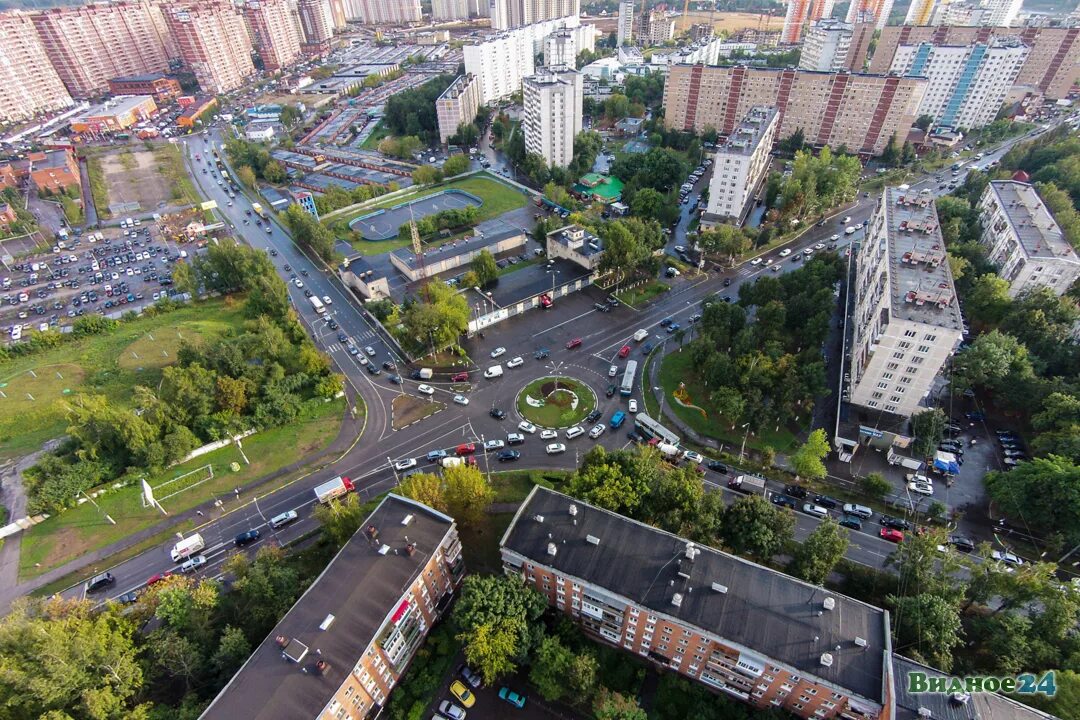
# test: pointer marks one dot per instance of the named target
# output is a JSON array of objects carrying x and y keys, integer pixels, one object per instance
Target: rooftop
[
  {"x": 549, "y": 75},
  {"x": 148, "y": 77},
  {"x": 748, "y": 606},
  {"x": 979, "y": 706},
  {"x": 458, "y": 86},
  {"x": 1031, "y": 220},
  {"x": 919, "y": 276},
  {"x": 460, "y": 247},
  {"x": 601, "y": 187},
  {"x": 577, "y": 238},
  {"x": 335, "y": 619},
  {"x": 521, "y": 285},
  {"x": 116, "y": 106},
  {"x": 745, "y": 138}
]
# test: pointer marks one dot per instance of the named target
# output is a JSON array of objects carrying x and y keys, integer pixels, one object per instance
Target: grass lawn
[
  {"x": 112, "y": 364},
  {"x": 407, "y": 409},
  {"x": 171, "y": 166},
  {"x": 82, "y": 529},
  {"x": 519, "y": 265},
  {"x": 643, "y": 293},
  {"x": 558, "y": 411},
  {"x": 73, "y": 211},
  {"x": 515, "y": 485},
  {"x": 376, "y": 136},
  {"x": 98, "y": 187}
]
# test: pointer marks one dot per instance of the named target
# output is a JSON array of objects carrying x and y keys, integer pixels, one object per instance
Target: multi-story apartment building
[
  {"x": 1001, "y": 13},
  {"x": 29, "y": 84},
  {"x": 925, "y": 12},
  {"x": 273, "y": 33},
  {"x": 213, "y": 42},
  {"x": 389, "y": 12},
  {"x": 552, "y": 115},
  {"x": 625, "y": 34},
  {"x": 1052, "y": 65},
  {"x": 89, "y": 44},
  {"x": 344, "y": 645},
  {"x": 1024, "y": 241},
  {"x": 655, "y": 27},
  {"x": 740, "y": 166},
  {"x": 317, "y": 21},
  {"x": 563, "y": 46},
  {"x": 801, "y": 13},
  {"x": 158, "y": 86},
  {"x": 906, "y": 316},
  {"x": 507, "y": 14},
  {"x": 736, "y": 627},
  {"x": 457, "y": 105},
  {"x": 856, "y": 110},
  {"x": 826, "y": 45},
  {"x": 501, "y": 60},
  {"x": 449, "y": 10},
  {"x": 875, "y": 12},
  {"x": 966, "y": 84},
  {"x": 337, "y": 12}
]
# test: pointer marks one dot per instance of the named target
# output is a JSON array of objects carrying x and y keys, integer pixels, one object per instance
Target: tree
[
  {"x": 246, "y": 175},
  {"x": 552, "y": 665},
  {"x": 425, "y": 488},
  {"x": 823, "y": 548},
  {"x": 467, "y": 493},
  {"x": 438, "y": 318},
  {"x": 456, "y": 165},
  {"x": 929, "y": 428},
  {"x": 928, "y": 626},
  {"x": 807, "y": 461},
  {"x": 274, "y": 173},
  {"x": 650, "y": 204},
  {"x": 233, "y": 649},
  {"x": 607, "y": 485},
  {"x": 341, "y": 518},
  {"x": 491, "y": 647},
  {"x": 793, "y": 143},
  {"x": 1058, "y": 426},
  {"x": 494, "y": 614},
  {"x": 923, "y": 122},
  {"x": 990, "y": 361},
  {"x": 183, "y": 279},
  {"x": 988, "y": 300},
  {"x": 1044, "y": 491},
  {"x": 724, "y": 240},
  {"x": 615, "y": 706},
  {"x": 890, "y": 156},
  {"x": 426, "y": 175},
  {"x": 484, "y": 267},
  {"x": 752, "y": 525}
]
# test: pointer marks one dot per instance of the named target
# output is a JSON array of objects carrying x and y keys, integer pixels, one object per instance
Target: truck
[
  {"x": 189, "y": 546},
  {"x": 449, "y": 462},
  {"x": 333, "y": 488},
  {"x": 426, "y": 373},
  {"x": 669, "y": 451},
  {"x": 641, "y": 335},
  {"x": 258, "y": 210},
  {"x": 749, "y": 484}
]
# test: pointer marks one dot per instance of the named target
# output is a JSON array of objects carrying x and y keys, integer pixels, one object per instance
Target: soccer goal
[{"x": 153, "y": 496}]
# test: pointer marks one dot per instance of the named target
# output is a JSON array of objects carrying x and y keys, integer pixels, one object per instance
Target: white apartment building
[
  {"x": 740, "y": 166},
  {"x": 29, "y": 85},
  {"x": 826, "y": 44},
  {"x": 800, "y": 13},
  {"x": 501, "y": 60},
  {"x": 925, "y": 12},
  {"x": 656, "y": 28},
  {"x": 389, "y": 12},
  {"x": 507, "y": 14},
  {"x": 625, "y": 34},
  {"x": 449, "y": 9},
  {"x": 457, "y": 105},
  {"x": 552, "y": 117},
  {"x": 967, "y": 83},
  {"x": 1024, "y": 241},
  {"x": 562, "y": 47},
  {"x": 999, "y": 13},
  {"x": 906, "y": 318}
]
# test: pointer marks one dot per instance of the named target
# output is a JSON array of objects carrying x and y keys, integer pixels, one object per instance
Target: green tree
[
  {"x": 456, "y": 165},
  {"x": 426, "y": 175},
  {"x": 923, "y": 122},
  {"x": 928, "y": 626},
  {"x": 988, "y": 300},
  {"x": 1058, "y": 425},
  {"x": 246, "y": 175},
  {"x": 650, "y": 204},
  {"x": 724, "y": 240},
  {"x": 493, "y": 614},
  {"x": 484, "y": 267},
  {"x": 615, "y": 706},
  {"x": 875, "y": 485},
  {"x": 929, "y": 428},
  {"x": 552, "y": 665},
  {"x": 341, "y": 518},
  {"x": 1044, "y": 491},
  {"x": 274, "y": 173},
  {"x": 890, "y": 156},
  {"x": 438, "y": 318},
  {"x": 232, "y": 650},
  {"x": 823, "y": 548},
  {"x": 607, "y": 485},
  {"x": 183, "y": 278},
  {"x": 752, "y": 525},
  {"x": 426, "y": 488},
  {"x": 467, "y": 493},
  {"x": 992, "y": 360},
  {"x": 808, "y": 460}
]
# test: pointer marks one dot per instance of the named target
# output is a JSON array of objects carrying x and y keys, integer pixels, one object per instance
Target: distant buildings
[
  {"x": 874, "y": 12},
  {"x": 859, "y": 111},
  {"x": 507, "y": 14},
  {"x": 501, "y": 60},
  {"x": 800, "y": 13},
  {"x": 625, "y": 34},
  {"x": 388, "y": 12},
  {"x": 457, "y": 105},
  {"x": 552, "y": 115},
  {"x": 114, "y": 115},
  {"x": 655, "y": 27},
  {"x": 443, "y": 10},
  {"x": 740, "y": 166},
  {"x": 213, "y": 43},
  {"x": 563, "y": 46},
  {"x": 273, "y": 33},
  {"x": 907, "y": 318},
  {"x": 29, "y": 84},
  {"x": 826, "y": 45},
  {"x": 1024, "y": 241},
  {"x": 923, "y": 12},
  {"x": 163, "y": 89},
  {"x": 317, "y": 21}
]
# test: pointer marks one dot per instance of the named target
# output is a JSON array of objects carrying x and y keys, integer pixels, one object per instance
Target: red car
[
  {"x": 576, "y": 342},
  {"x": 460, "y": 377},
  {"x": 624, "y": 351},
  {"x": 158, "y": 578},
  {"x": 892, "y": 535},
  {"x": 465, "y": 449}
]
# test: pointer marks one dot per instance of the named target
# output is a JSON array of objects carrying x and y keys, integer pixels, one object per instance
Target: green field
[
  {"x": 558, "y": 412},
  {"x": 376, "y": 136},
  {"x": 643, "y": 293},
  {"x": 35, "y": 387}
]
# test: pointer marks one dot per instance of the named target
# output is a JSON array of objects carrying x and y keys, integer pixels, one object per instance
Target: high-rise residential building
[
  {"x": 507, "y": 14},
  {"x": 501, "y": 60},
  {"x": 655, "y": 27},
  {"x": 966, "y": 85},
  {"x": 626, "y": 23},
  {"x": 29, "y": 84},
  {"x": 1052, "y": 65},
  {"x": 337, "y": 12},
  {"x": 800, "y": 13},
  {"x": 317, "y": 21},
  {"x": 925, "y": 12},
  {"x": 389, "y": 12},
  {"x": 859, "y": 111},
  {"x": 875, "y": 12},
  {"x": 552, "y": 115},
  {"x": 906, "y": 318},
  {"x": 1024, "y": 241},
  {"x": 89, "y": 44},
  {"x": 563, "y": 46},
  {"x": 826, "y": 45},
  {"x": 272, "y": 33},
  {"x": 343, "y": 646},
  {"x": 450, "y": 9},
  {"x": 457, "y": 105},
  {"x": 740, "y": 166},
  {"x": 862, "y": 35},
  {"x": 999, "y": 13},
  {"x": 213, "y": 43},
  {"x": 479, "y": 8}
]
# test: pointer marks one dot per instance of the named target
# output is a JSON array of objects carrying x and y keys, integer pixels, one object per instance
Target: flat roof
[
  {"x": 148, "y": 77},
  {"x": 578, "y": 239},
  {"x": 460, "y": 84},
  {"x": 770, "y": 614},
  {"x": 980, "y": 706},
  {"x": 459, "y": 247},
  {"x": 1038, "y": 232},
  {"x": 116, "y": 106},
  {"x": 295, "y": 158},
  {"x": 535, "y": 279},
  {"x": 744, "y": 139},
  {"x": 360, "y": 588},
  {"x": 919, "y": 276}
]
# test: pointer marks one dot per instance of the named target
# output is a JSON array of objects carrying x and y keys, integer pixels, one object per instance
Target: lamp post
[
  {"x": 658, "y": 389},
  {"x": 742, "y": 448}
]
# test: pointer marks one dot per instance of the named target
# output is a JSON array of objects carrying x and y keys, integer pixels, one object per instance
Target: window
[
  {"x": 892, "y": 366},
  {"x": 872, "y": 403},
  {"x": 930, "y": 338},
  {"x": 904, "y": 381},
  {"x": 924, "y": 349},
  {"x": 877, "y": 395},
  {"x": 909, "y": 333},
  {"x": 882, "y": 385},
  {"x": 887, "y": 376},
  {"x": 904, "y": 345},
  {"x": 898, "y": 355}
]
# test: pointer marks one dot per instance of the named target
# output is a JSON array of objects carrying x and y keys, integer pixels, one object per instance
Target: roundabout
[{"x": 555, "y": 401}]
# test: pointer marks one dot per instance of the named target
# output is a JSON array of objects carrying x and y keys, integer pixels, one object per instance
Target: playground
[{"x": 384, "y": 224}]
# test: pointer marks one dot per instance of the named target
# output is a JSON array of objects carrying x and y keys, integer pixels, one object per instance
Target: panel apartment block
[
  {"x": 29, "y": 84},
  {"x": 507, "y": 14},
  {"x": 273, "y": 33},
  {"x": 317, "y": 20},
  {"x": 552, "y": 113},
  {"x": 457, "y": 105},
  {"x": 213, "y": 42},
  {"x": 907, "y": 319},
  {"x": 856, "y": 110},
  {"x": 347, "y": 641},
  {"x": 875, "y": 12},
  {"x": 826, "y": 45},
  {"x": 389, "y": 12},
  {"x": 501, "y": 60},
  {"x": 740, "y": 165},
  {"x": 800, "y": 13},
  {"x": 449, "y": 10}
]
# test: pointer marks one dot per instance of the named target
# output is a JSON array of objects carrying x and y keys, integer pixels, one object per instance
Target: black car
[
  {"x": 287, "y": 267},
  {"x": 633, "y": 437},
  {"x": 246, "y": 538},
  {"x": 894, "y": 522},
  {"x": 394, "y": 379},
  {"x": 783, "y": 501},
  {"x": 415, "y": 375},
  {"x": 497, "y": 413},
  {"x": 613, "y": 301},
  {"x": 342, "y": 337},
  {"x": 601, "y": 307},
  {"x": 727, "y": 282},
  {"x": 273, "y": 252},
  {"x": 388, "y": 365},
  {"x": 128, "y": 598},
  {"x": 593, "y": 417},
  {"x": 507, "y": 455},
  {"x": 961, "y": 543},
  {"x": 610, "y": 390},
  {"x": 796, "y": 491},
  {"x": 717, "y": 466},
  {"x": 665, "y": 322},
  {"x": 851, "y": 521},
  {"x": 826, "y": 502},
  {"x": 372, "y": 370}
]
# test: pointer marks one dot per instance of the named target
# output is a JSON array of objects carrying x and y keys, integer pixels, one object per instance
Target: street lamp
[
  {"x": 742, "y": 448},
  {"x": 657, "y": 389}
]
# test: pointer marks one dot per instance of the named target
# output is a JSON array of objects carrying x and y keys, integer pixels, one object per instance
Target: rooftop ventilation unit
[
  {"x": 829, "y": 603},
  {"x": 552, "y": 549},
  {"x": 384, "y": 549},
  {"x": 676, "y": 599},
  {"x": 719, "y": 588},
  {"x": 327, "y": 622},
  {"x": 691, "y": 551},
  {"x": 826, "y": 659},
  {"x": 407, "y": 519},
  {"x": 592, "y": 539},
  {"x": 573, "y": 511}
]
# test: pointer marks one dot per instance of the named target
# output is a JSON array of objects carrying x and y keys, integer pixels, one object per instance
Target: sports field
[{"x": 384, "y": 224}]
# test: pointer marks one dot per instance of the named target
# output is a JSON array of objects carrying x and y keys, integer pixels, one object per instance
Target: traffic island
[
  {"x": 555, "y": 402},
  {"x": 409, "y": 409}
]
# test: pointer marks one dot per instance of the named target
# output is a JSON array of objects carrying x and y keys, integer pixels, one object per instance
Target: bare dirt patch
[
  {"x": 133, "y": 176},
  {"x": 407, "y": 409},
  {"x": 731, "y": 22}
]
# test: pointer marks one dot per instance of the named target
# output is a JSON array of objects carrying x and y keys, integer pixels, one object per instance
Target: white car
[
  {"x": 298, "y": 283},
  {"x": 785, "y": 252},
  {"x": 461, "y": 400},
  {"x": 494, "y": 445},
  {"x": 516, "y": 362},
  {"x": 613, "y": 371},
  {"x": 819, "y": 246},
  {"x": 498, "y": 352},
  {"x": 193, "y": 564},
  {"x": 597, "y": 430},
  {"x": 326, "y": 300},
  {"x": 555, "y": 449},
  {"x": 526, "y": 426},
  {"x": 1008, "y": 558},
  {"x": 370, "y": 351},
  {"x": 405, "y": 464},
  {"x": 549, "y": 434},
  {"x": 283, "y": 519},
  {"x": 633, "y": 405},
  {"x": 756, "y": 261},
  {"x": 920, "y": 488},
  {"x": 426, "y": 389},
  {"x": 834, "y": 238},
  {"x": 574, "y": 432},
  {"x": 693, "y": 456},
  {"x": 846, "y": 220}
]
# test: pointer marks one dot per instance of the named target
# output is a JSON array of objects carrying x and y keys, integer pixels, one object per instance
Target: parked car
[
  {"x": 526, "y": 426},
  {"x": 99, "y": 582},
  {"x": 893, "y": 522},
  {"x": 782, "y": 500},
  {"x": 246, "y": 538},
  {"x": 555, "y": 449},
  {"x": 452, "y": 711},
  {"x": 458, "y": 690},
  {"x": 891, "y": 535},
  {"x": 507, "y": 455},
  {"x": 470, "y": 676},
  {"x": 512, "y": 697},
  {"x": 796, "y": 491}
]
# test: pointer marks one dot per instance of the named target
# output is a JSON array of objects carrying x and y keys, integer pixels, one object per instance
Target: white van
[
  {"x": 449, "y": 462},
  {"x": 493, "y": 372},
  {"x": 574, "y": 432},
  {"x": 187, "y": 547}
]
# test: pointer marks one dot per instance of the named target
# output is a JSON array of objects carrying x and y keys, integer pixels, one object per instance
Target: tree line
[
  {"x": 430, "y": 174},
  {"x": 252, "y": 160},
  {"x": 336, "y": 197},
  {"x": 412, "y": 112},
  {"x": 442, "y": 220},
  {"x": 816, "y": 185}
]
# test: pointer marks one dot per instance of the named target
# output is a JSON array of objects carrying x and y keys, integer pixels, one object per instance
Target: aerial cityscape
[{"x": 569, "y": 359}]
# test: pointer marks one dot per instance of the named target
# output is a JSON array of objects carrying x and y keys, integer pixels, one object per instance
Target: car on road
[
  {"x": 894, "y": 522},
  {"x": 756, "y": 261},
  {"x": 155, "y": 579},
  {"x": 494, "y": 444},
  {"x": 465, "y": 449},
  {"x": 834, "y": 238},
  {"x": 593, "y": 417},
  {"x": 961, "y": 543},
  {"x": 507, "y": 455},
  {"x": 610, "y": 390},
  {"x": 851, "y": 522},
  {"x": 459, "y": 377},
  {"x": 826, "y": 502},
  {"x": 128, "y": 598},
  {"x": 193, "y": 564},
  {"x": 921, "y": 488},
  {"x": 246, "y": 538},
  {"x": 624, "y": 351},
  {"x": 574, "y": 432},
  {"x": 516, "y": 362},
  {"x": 819, "y": 246},
  {"x": 785, "y": 252},
  {"x": 326, "y": 300},
  {"x": 542, "y": 353},
  {"x": 396, "y": 379},
  {"x": 405, "y": 464},
  {"x": 370, "y": 351},
  {"x": 526, "y": 426},
  {"x": 613, "y": 371},
  {"x": 461, "y": 400},
  {"x": 298, "y": 282},
  {"x": 796, "y": 491},
  {"x": 512, "y": 697},
  {"x": 1007, "y": 557},
  {"x": 633, "y": 405},
  {"x": 646, "y": 348},
  {"x": 426, "y": 389},
  {"x": 891, "y": 535},
  {"x": 549, "y": 434},
  {"x": 597, "y": 431},
  {"x": 693, "y": 456},
  {"x": 435, "y": 455},
  {"x": 555, "y": 448},
  {"x": 859, "y": 511},
  {"x": 458, "y": 690},
  {"x": 99, "y": 582},
  {"x": 515, "y": 439},
  {"x": 283, "y": 519},
  {"x": 781, "y": 500},
  {"x": 576, "y": 342},
  {"x": 497, "y": 413},
  {"x": 451, "y": 711},
  {"x": 498, "y": 352},
  {"x": 815, "y": 510},
  {"x": 846, "y": 220},
  {"x": 717, "y": 466}
]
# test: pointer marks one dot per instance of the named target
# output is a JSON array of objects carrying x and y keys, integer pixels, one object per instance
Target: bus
[
  {"x": 627, "y": 386},
  {"x": 318, "y": 305},
  {"x": 654, "y": 429}
]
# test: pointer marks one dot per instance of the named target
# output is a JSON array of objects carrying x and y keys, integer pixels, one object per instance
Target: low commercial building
[
  {"x": 163, "y": 89},
  {"x": 1024, "y": 241},
  {"x": 55, "y": 171},
  {"x": 260, "y": 132},
  {"x": 344, "y": 645},
  {"x": 357, "y": 273},
  {"x": 457, "y": 105},
  {"x": 197, "y": 109},
  {"x": 740, "y": 166},
  {"x": 594, "y": 187},
  {"x": 455, "y": 254},
  {"x": 114, "y": 115},
  {"x": 576, "y": 244}
]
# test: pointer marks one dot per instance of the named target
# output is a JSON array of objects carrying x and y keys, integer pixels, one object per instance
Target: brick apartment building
[
  {"x": 163, "y": 89},
  {"x": 29, "y": 85},
  {"x": 273, "y": 33},
  {"x": 53, "y": 170},
  {"x": 7, "y": 217},
  {"x": 213, "y": 41}
]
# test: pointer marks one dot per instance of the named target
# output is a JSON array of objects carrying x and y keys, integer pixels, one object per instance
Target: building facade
[
  {"x": 576, "y": 244},
  {"x": 800, "y": 13},
  {"x": 925, "y": 12},
  {"x": 874, "y": 12},
  {"x": 1024, "y": 241},
  {"x": 29, "y": 84},
  {"x": 457, "y": 105},
  {"x": 343, "y": 647},
  {"x": 501, "y": 60},
  {"x": 563, "y": 46},
  {"x": 54, "y": 171},
  {"x": 114, "y": 115},
  {"x": 89, "y": 44},
  {"x": 508, "y": 14},
  {"x": 442, "y": 10},
  {"x": 552, "y": 115},
  {"x": 317, "y": 21},
  {"x": 158, "y": 86},
  {"x": 906, "y": 319},
  {"x": 213, "y": 42},
  {"x": 655, "y": 28},
  {"x": 389, "y": 12},
  {"x": 273, "y": 33},
  {"x": 833, "y": 109},
  {"x": 625, "y": 34},
  {"x": 740, "y": 166},
  {"x": 826, "y": 45}
]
